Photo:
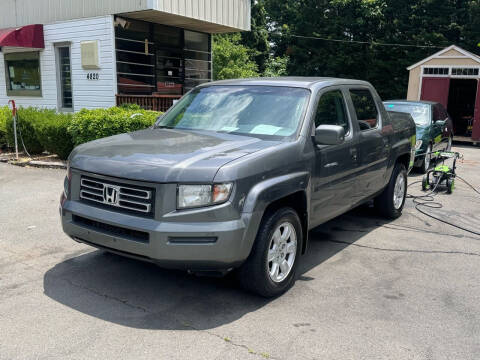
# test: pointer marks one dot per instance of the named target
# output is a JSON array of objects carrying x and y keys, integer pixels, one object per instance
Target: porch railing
[{"x": 149, "y": 102}]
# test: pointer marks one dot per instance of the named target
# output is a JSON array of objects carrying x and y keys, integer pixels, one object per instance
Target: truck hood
[{"x": 164, "y": 155}]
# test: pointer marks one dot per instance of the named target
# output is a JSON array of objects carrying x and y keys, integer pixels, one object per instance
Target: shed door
[
  {"x": 476, "y": 120},
  {"x": 436, "y": 89}
]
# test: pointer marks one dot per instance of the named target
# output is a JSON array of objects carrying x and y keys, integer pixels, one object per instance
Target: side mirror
[{"x": 329, "y": 135}]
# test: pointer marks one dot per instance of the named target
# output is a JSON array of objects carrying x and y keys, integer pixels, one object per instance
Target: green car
[{"x": 434, "y": 128}]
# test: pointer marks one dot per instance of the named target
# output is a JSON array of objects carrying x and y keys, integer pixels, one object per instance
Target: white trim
[
  {"x": 449, "y": 75},
  {"x": 467, "y": 54}
]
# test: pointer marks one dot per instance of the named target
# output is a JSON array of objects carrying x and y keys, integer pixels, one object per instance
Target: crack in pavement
[
  {"x": 405, "y": 250},
  {"x": 184, "y": 324}
]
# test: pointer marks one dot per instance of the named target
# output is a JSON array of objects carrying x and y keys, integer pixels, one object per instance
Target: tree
[
  {"x": 256, "y": 40},
  {"x": 434, "y": 23},
  {"x": 232, "y": 60}
]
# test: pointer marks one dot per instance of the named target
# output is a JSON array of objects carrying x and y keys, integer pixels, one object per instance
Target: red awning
[{"x": 30, "y": 36}]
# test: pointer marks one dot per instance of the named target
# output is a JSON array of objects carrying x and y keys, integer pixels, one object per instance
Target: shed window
[
  {"x": 465, "y": 71},
  {"x": 435, "y": 71},
  {"x": 23, "y": 74}
]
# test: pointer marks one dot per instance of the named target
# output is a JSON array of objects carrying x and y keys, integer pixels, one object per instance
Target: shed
[{"x": 451, "y": 77}]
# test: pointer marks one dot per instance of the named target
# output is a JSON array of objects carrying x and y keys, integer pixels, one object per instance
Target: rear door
[
  {"x": 335, "y": 165},
  {"x": 373, "y": 146}
]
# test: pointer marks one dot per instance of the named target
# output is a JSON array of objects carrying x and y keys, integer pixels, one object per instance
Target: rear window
[
  {"x": 420, "y": 112},
  {"x": 365, "y": 108}
]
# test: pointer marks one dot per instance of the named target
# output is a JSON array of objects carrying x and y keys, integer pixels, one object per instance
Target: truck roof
[
  {"x": 411, "y": 102},
  {"x": 289, "y": 81}
]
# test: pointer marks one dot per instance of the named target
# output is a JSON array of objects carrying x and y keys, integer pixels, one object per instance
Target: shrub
[
  {"x": 88, "y": 125},
  {"x": 53, "y": 135},
  {"x": 5, "y": 113},
  {"x": 26, "y": 120}
]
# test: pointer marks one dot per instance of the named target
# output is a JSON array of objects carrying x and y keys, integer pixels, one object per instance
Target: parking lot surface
[{"x": 367, "y": 289}]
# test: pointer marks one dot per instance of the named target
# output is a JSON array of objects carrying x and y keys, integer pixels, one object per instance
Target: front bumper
[{"x": 196, "y": 246}]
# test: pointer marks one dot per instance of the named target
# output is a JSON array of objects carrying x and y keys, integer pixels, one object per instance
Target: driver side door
[{"x": 335, "y": 165}]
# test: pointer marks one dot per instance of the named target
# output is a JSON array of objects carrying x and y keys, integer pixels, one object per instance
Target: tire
[
  {"x": 255, "y": 274},
  {"x": 450, "y": 185},
  {"x": 427, "y": 160},
  {"x": 425, "y": 185},
  {"x": 391, "y": 201}
]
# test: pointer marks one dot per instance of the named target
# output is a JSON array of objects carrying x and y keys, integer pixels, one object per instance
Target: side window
[
  {"x": 365, "y": 108},
  {"x": 331, "y": 110}
]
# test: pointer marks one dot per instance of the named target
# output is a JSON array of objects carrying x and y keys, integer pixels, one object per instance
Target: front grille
[
  {"x": 112, "y": 230},
  {"x": 127, "y": 198}
]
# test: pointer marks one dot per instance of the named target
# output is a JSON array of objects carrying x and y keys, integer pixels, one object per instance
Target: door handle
[{"x": 353, "y": 153}]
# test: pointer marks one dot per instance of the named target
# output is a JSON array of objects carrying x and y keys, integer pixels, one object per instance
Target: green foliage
[
  {"x": 88, "y": 125},
  {"x": 27, "y": 119},
  {"x": 276, "y": 66},
  {"x": 5, "y": 113},
  {"x": 130, "y": 107},
  {"x": 57, "y": 133},
  {"x": 231, "y": 60},
  {"x": 436, "y": 23},
  {"x": 53, "y": 135},
  {"x": 257, "y": 40}
]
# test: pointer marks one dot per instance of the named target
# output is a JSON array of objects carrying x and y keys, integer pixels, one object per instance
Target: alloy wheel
[
  {"x": 282, "y": 251},
  {"x": 399, "y": 191}
]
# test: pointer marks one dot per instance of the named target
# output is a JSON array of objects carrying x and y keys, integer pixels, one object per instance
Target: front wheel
[
  {"x": 270, "y": 269},
  {"x": 426, "y": 160},
  {"x": 391, "y": 201}
]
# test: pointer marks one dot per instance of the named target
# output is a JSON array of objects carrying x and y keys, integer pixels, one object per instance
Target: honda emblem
[{"x": 110, "y": 194}]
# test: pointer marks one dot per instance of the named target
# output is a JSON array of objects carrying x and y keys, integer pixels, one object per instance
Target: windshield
[
  {"x": 420, "y": 112},
  {"x": 253, "y": 110}
]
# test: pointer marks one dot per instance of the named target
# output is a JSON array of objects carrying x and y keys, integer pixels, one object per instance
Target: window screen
[
  {"x": 365, "y": 108},
  {"x": 331, "y": 110}
]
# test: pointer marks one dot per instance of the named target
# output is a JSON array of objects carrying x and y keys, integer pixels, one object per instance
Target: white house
[{"x": 74, "y": 54}]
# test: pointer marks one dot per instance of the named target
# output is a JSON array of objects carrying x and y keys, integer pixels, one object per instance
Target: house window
[
  {"x": 197, "y": 59},
  {"x": 435, "y": 71},
  {"x": 159, "y": 59},
  {"x": 23, "y": 74},
  {"x": 465, "y": 71},
  {"x": 64, "y": 78}
]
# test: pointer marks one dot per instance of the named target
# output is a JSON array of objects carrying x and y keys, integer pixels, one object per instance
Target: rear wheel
[
  {"x": 270, "y": 269},
  {"x": 391, "y": 201}
]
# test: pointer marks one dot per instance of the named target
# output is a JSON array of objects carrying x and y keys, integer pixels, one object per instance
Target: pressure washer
[{"x": 442, "y": 175}]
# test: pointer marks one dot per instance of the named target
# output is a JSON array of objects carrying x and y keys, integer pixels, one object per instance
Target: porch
[{"x": 148, "y": 102}]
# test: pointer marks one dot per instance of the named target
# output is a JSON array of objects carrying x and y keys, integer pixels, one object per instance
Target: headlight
[
  {"x": 66, "y": 181},
  {"x": 418, "y": 144},
  {"x": 192, "y": 196}
]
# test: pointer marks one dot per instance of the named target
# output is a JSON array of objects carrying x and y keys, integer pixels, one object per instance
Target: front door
[
  {"x": 64, "y": 78},
  {"x": 335, "y": 165}
]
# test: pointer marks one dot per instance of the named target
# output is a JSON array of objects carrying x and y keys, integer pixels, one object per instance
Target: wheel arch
[{"x": 292, "y": 190}]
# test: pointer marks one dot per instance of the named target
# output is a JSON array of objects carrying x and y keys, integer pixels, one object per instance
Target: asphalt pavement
[{"x": 368, "y": 289}]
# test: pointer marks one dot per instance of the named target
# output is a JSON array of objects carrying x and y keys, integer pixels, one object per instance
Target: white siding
[
  {"x": 86, "y": 93},
  {"x": 231, "y": 13},
  {"x": 212, "y": 15}
]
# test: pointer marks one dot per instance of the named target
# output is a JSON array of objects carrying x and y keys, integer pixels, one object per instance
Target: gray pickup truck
[{"x": 235, "y": 175}]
